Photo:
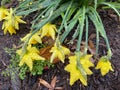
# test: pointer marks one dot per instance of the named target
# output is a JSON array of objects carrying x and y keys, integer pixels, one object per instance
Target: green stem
[
  {"x": 95, "y": 1},
  {"x": 64, "y": 18},
  {"x": 76, "y": 33},
  {"x": 109, "y": 49},
  {"x": 86, "y": 38},
  {"x": 81, "y": 22},
  {"x": 97, "y": 41},
  {"x": 80, "y": 67}
]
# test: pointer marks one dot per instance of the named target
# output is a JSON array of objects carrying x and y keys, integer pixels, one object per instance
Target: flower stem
[
  {"x": 81, "y": 22},
  {"x": 86, "y": 38}
]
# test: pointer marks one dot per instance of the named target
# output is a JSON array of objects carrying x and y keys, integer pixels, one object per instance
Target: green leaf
[{"x": 113, "y": 6}]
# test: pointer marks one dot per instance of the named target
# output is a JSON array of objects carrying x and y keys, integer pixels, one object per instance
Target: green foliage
[
  {"x": 72, "y": 12},
  {"x": 22, "y": 71},
  {"x": 38, "y": 68}
]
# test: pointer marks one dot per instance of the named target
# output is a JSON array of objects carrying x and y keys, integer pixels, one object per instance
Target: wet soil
[{"x": 95, "y": 82}]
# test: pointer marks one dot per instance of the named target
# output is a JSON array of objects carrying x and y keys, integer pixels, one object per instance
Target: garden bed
[{"x": 111, "y": 81}]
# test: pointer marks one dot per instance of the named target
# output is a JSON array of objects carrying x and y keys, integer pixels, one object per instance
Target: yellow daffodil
[
  {"x": 48, "y": 30},
  {"x": 11, "y": 22},
  {"x": 3, "y": 13},
  {"x": 104, "y": 65},
  {"x": 31, "y": 55},
  {"x": 34, "y": 39},
  {"x": 8, "y": 27},
  {"x": 86, "y": 63},
  {"x": 75, "y": 73},
  {"x": 59, "y": 52}
]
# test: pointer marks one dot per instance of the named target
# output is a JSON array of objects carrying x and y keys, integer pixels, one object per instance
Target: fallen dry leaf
[
  {"x": 92, "y": 36},
  {"x": 45, "y": 52},
  {"x": 52, "y": 85},
  {"x": 91, "y": 47},
  {"x": 48, "y": 41},
  {"x": 45, "y": 83},
  {"x": 59, "y": 88},
  {"x": 53, "y": 82}
]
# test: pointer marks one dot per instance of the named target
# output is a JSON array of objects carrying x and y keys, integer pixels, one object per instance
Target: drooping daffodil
[
  {"x": 104, "y": 65},
  {"x": 8, "y": 27},
  {"x": 48, "y": 30},
  {"x": 75, "y": 73},
  {"x": 11, "y": 22},
  {"x": 31, "y": 55},
  {"x": 86, "y": 63},
  {"x": 59, "y": 51},
  {"x": 3, "y": 13},
  {"x": 34, "y": 39}
]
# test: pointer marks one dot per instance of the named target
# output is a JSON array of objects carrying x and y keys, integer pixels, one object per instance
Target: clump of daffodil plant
[
  {"x": 10, "y": 20},
  {"x": 31, "y": 55},
  {"x": 71, "y": 13}
]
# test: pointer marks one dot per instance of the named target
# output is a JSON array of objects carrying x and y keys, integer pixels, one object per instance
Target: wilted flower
[
  {"x": 59, "y": 52},
  {"x": 86, "y": 63},
  {"x": 104, "y": 65},
  {"x": 8, "y": 27},
  {"x": 31, "y": 55},
  {"x": 34, "y": 39},
  {"x": 75, "y": 73},
  {"x": 48, "y": 30},
  {"x": 11, "y": 22}
]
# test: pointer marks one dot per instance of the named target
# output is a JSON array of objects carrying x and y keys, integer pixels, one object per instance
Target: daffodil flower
[
  {"x": 11, "y": 22},
  {"x": 3, "y": 13},
  {"x": 31, "y": 55},
  {"x": 86, "y": 63},
  {"x": 75, "y": 73},
  {"x": 34, "y": 39},
  {"x": 48, "y": 30},
  {"x": 59, "y": 52},
  {"x": 104, "y": 65},
  {"x": 8, "y": 27}
]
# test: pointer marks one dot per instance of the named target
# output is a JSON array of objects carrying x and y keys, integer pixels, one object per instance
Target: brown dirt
[{"x": 95, "y": 82}]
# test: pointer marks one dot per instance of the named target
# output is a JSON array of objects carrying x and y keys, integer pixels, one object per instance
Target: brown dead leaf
[
  {"x": 82, "y": 48},
  {"x": 45, "y": 83},
  {"x": 45, "y": 52},
  {"x": 48, "y": 40},
  {"x": 59, "y": 88},
  {"x": 92, "y": 36},
  {"x": 53, "y": 82},
  {"x": 52, "y": 85},
  {"x": 91, "y": 47}
]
